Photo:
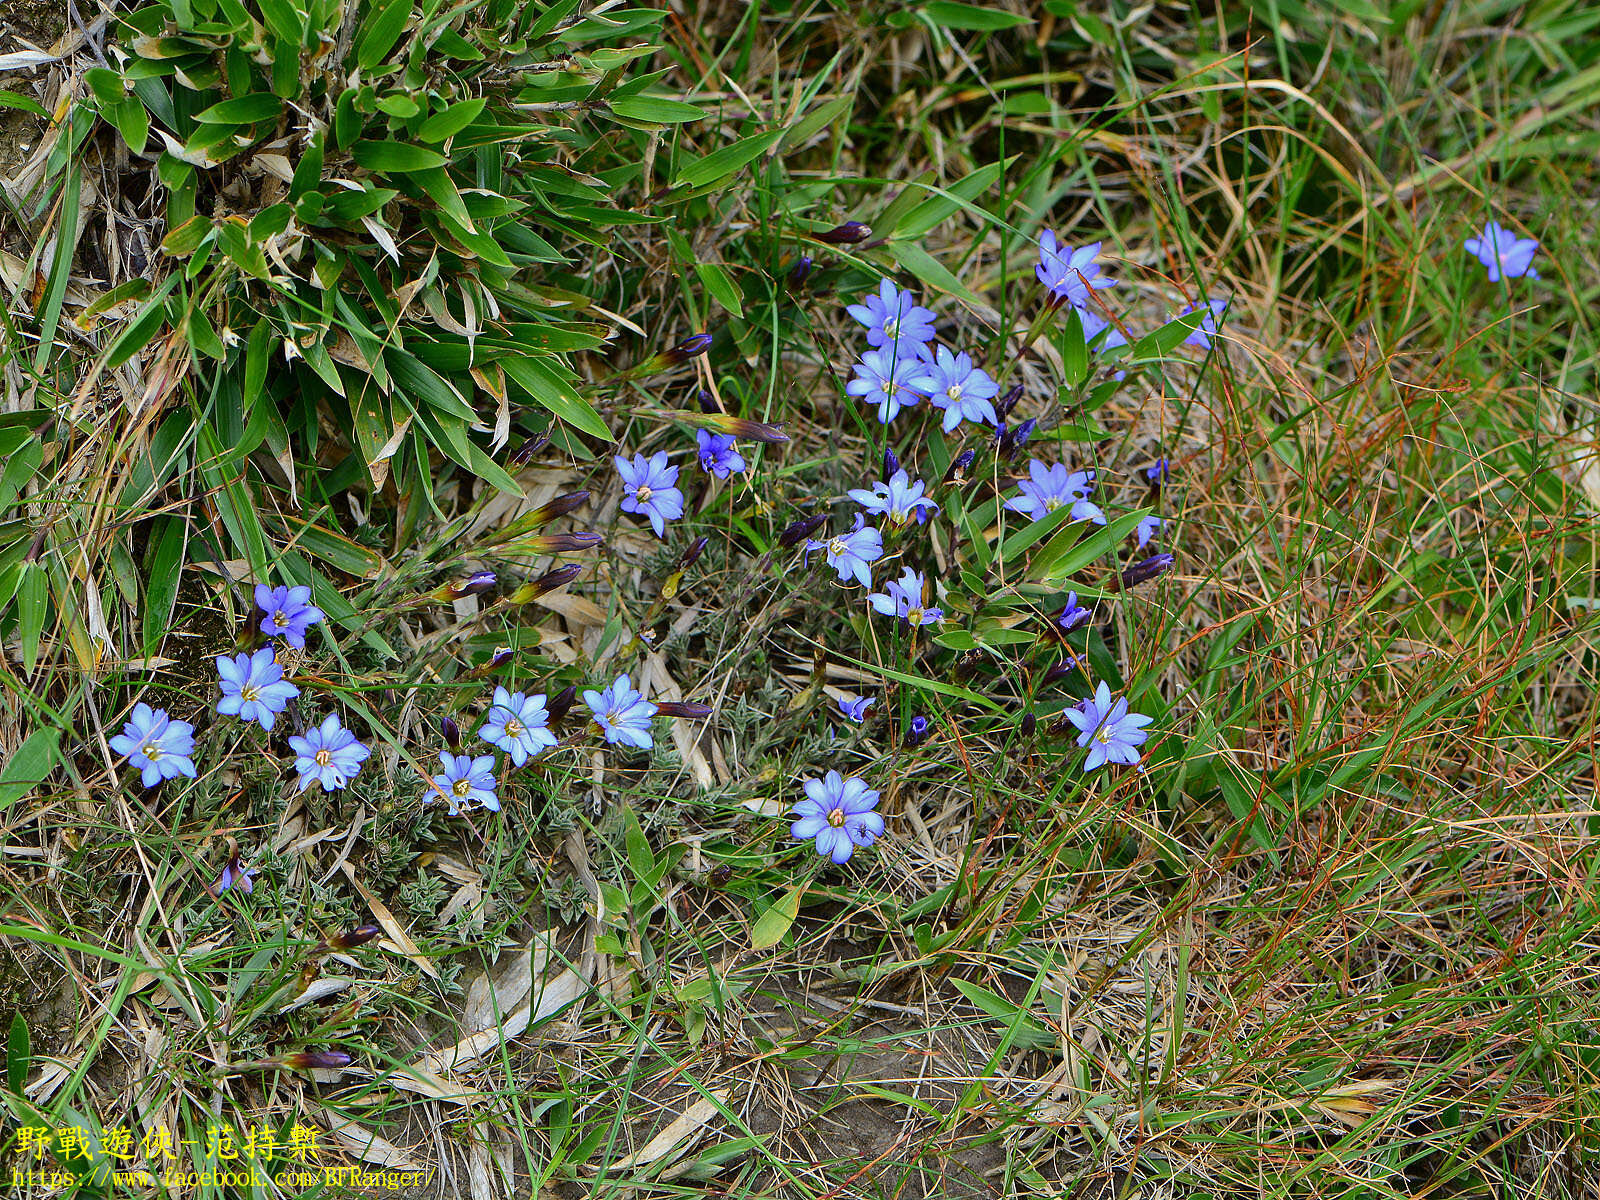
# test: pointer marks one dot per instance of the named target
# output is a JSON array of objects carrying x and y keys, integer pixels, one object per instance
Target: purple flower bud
[
  {"x": 1026, "y": 726},
  {"x": 561, "y": 704},
  {"x": 313, "y": 1060},
  {"x": 545, "y": 584},
  {"x": 756, "y": 431},
  {"x": 1004, "y": 405},
  {"x": 523, "y": 454},
  {"x": 1067, "y": 666},
  {"x": 1142, "y": 572},
  {"x": 475, "y": 584},
  {"x": 797, "y": 531},
  {"x": 1157, "y": 475},
  {"x": 556, "y": 543},
  {"x": 559, "y": 507},
  {"x": 847, "y": 234},
  {"x": 691, "y": 709},
  {"x": 708, "y": 402},
  {"x": 350, "y": 938},
  {"x": 960, "y": 467},
  {"x": 1021, "y": 434},
  {"x": 891, "y": 463},
  {"x": 493, "y": 663},
  {"x": 799, "y": 272},
  {"x": 917, "y": 730},
  {"x": 690, "y": 347},
  {"x": 451, "y": 731},
  {"x": 692, "y": 555}
]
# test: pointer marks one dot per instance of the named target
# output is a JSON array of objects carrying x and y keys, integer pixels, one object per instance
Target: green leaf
[
  {"x": 284, "y": 20},
  {"x": 930, "y": 270},
  {"x": 242, "y": 110},
  {"x": 723, "y": 163},
  {"x": 396, "y": 157},
  {"x": 770, "y": 926},
  {"x": 19, "y": 1055},
  {"x": 720, "y": 284},
  {"x": 655, "y": 110},
  {"x": 26, "y": 103},
  {"x": 1161, "y": 342},
  {"x": 948, "y": 14},
  {"x": 1029, "y": 1033},
  {"x": 941, "y": 205},
  {"x": 380, "y": 31},
  {"x": 1065, "y": 553},
  {"x": 555, "y": 394},
  {"x": 164, "y": 566},
  {"x": 1074, "y": 350},
  {"x": 132, "y": 122},
  {"x": 450, "y": 121},
  {"x": 29, "y": 765}
]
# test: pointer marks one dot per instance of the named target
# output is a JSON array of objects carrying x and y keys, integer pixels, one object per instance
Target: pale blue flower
[
  {"x": 717, "y": 455},
  {"x": 963, "y": 391},
  {"x": 328, "y": 754},
  {"x": 1050, "y": 488},
  {"x": 1147, "y": 529},
  {"x": 893, "y": 317},
  {"x": 837, "y": 812},
  {"x": 1109, "y": 730},
  {"x": 851, "y": 553},
  {"x": 288, "y": 612},
  {"x": 903, "y": 598},
  {"x": 1074, "y": 614},
  {"x": 518, "y": 724},
  {"x": 883, "y": 377},
  {"x": 899, "y": 500},
  {"x": 466, "y": 780},
  {"x": 1503, "y": 252},
  {"x": 159, "y": 747},
  {"x": 1202, "y": 333},
  {"x": 855, "y": 710},
  {"x": 1069, "y": 274},
  {"x": 622, "y": 713},
  {"x": 649, "y": 487},
  {"x": 253, "y": 687}
]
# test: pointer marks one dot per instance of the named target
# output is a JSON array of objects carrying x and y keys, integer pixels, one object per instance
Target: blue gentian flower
[
  {"x": 467, "y": 780},
  {"x": 903, "y": 598},
  {"x": 1074, "y": 614},
  {"x": 253, "y": 687},
  {"x": 649, "y": 487},
  {"x": 717, "y": 455},
  {"x": 1158, "y": 473},
  {"x": 1202, "y": 333},
  {"x": 1503, "y": 252},
  {"x": 899, "y": 500},
  {"x": 1050, "y": 488},
  {"x": 156, "y": 744},
  {"x": 1147, "y": 528},
  {"x": 518, "y": 724},
  {"x": 837, "y": 812},
  {"x": 235, "y": 875},
  {"x": 851, "y": 553},
  {"x": 288, "y": 611},
  {"x": 963, "y": 391},
  {"x": 1069, "y": 274},
  {"x": 1109, "y": 730},
  {"x": 917, "y": 731},
  {"x": 855, "y": 710},
  {"x": 883, "y": 377},
  {"x": 623, "y": 714},
  {"x": 893, "y": 317},
  {"x": 328, "y": 754}
]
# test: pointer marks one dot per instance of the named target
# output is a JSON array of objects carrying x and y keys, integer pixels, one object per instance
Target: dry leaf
[
  {"x": 678, "y": 1136},
  {"x": 385, "y": 918},
  {"x": 363, "y": 1143}
]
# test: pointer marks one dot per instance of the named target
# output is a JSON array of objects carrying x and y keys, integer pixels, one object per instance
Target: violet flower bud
[
  {"x": 492, "y": 664},
  {"x": 756, "y": 431},
  {"x": 1142, "y": 572},
  {"x": 1020, "y": 435},
  {"x": 1067, "y": 666},
  {"x": 312, "y": 1060},
  {"x": 475, "y": 584},
  {"x": 692, "y": 709},
  {"x": 545, "y": 584},
  {"x": 556, "y": 543},
  {"x": 959, "y": 468},
  {"x": 891, "y": 463},
  {"x": 797, "y": 531},
  {"x": 692, "y": 554},
  {"x": 350, "y": 938},
  {"x": 799, "y": 273},
  {"x": 451, "y": 731},
  {"x": 708, "y": 402},
  {"x": 847, "y": 234},
  {"x": 917, "y": 731},
  {"x": 1004, "y": 405},
  {"x": 561, "y": 704},
  {"x": 523, "y": 454},
  {"x": 690, "y": 347},
  {"x": 550, "y": 510}
]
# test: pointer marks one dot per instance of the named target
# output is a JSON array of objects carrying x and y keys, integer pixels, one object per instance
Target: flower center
[
  {"x": 249, "y": 693},
  {"x": 614, "y": 717},
  {"x": 891, "y": 327},
  {"x": 513, "y": 727},
  {"x": 953, "y": 391},
  {"x": 322, "y": 757},
  {"x": 151, "y": 751},
  {"x": 836, "y": 818},
  {"x": 280, "y": 619},
  {"x": 888, "y": 387},
  {"x": 461, "y": 787},
  {"x": 914, "y": 615},
  {"x": 1051, "y": 503},
  {"x": 643, "y": 492},
  {"x": 837, "y": 547},
  {"x": 1103, "y": 735}
]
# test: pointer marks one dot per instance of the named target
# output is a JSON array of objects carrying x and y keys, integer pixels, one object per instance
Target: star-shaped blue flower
[
  {"x": 156, "y": 745},
  {"x": 837, "y": 812},
  {"x": 328, "y": 754},
  {"x": 1148, "y": 527},
  {"x": 903, "y": 598},
  {"x": 518, "y": 724},
  {"x": 1111, "y": 732},
  {"x": 1049, "y": 488},
  {"x": 899, "y": 500},
  {"x": 466, "y": 780},
  {"x": 649, "y": 486},
  {"x": 1069, "y": 274},
  {"x": 963, "y": 391},
  {"x": 622, "y": 713},
  {"x": 883, "y": 377},
  {"x": 253, "y": 687},
  {"x": 287, "y": 612},
  {"x": 717, "y": 455},
  {"x": 1074, "y": 614},
  {"x": 893, "y": 317},
  {"x": 1503, "y": 252},
  {"x": 855, "y": 710},
  {"x": 852, "y": 553}
]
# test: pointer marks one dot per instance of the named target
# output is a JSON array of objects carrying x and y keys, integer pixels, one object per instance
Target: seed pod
[{"x": 1026, "y": 726}]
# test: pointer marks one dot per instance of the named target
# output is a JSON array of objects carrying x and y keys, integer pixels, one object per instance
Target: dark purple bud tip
[
  {"x": 1020, "y": 436},
  {"x": 917, "y": 731},
  {"x": 1004, "y": 405},
  {"x": 1062, "y": 669},
  {"x": 1142, "y": 572},
  {"x": 556, "y": 543},
  {"x": 708, "y": 402},
  {"x": 797, "y": 531},
  {"x": 561, "y": 704},
  {"x": 756, "y": 431},
  {"x": 451, "y": 731},
  {"x": 691, "y": 709},
  {"x": 799, "y": 272},
  {"x": 962, "y": 464},
  {"x": 691, "y": 347},
  {"x": 559, "y": 507},
  {"x": 351, "y": 938},
  {"x": 312, "y": 1060},
  {"x": 692, "y": 554},
  {"x": 523, "y": 454},
  {"x": 891, "y": 463},
  {"x": 475, "y": 584},
  {"x": 847, "y": 234},
  {"x": 559, "y": 578},
  {"x": 1026, "y": 726}
]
